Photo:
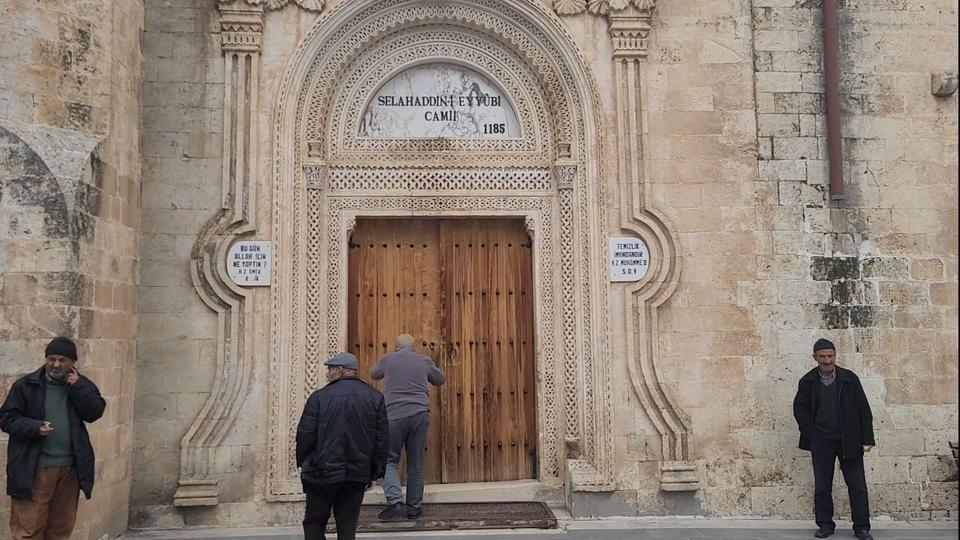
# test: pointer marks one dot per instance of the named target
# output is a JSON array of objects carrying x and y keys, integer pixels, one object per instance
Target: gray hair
[{"x": 405, "y": 340}]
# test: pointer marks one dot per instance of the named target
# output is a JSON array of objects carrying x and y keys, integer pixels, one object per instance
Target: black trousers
[
  {"x": 344, "y": 498},
  {"x": 825, "y": 453}
]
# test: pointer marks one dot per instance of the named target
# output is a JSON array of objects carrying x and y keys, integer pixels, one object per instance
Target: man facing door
[
  {"x": 408, "y": 408},
  {"x": 341, "y": 448}
]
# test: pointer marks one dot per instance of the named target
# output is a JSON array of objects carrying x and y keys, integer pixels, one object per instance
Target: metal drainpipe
[{"x": 831, "y": 68}]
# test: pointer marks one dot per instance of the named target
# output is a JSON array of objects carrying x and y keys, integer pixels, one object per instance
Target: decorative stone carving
[
  {"x": 309, "y": 5},
  {"x": 315, "y": 175},
  {"x": 603, "y": 7},
  {"x": 522, "y": 47},
  {"x": 629, "y": 29},
  {"x": 198, "y": 485},
  {"x": 565, "y": 171}
]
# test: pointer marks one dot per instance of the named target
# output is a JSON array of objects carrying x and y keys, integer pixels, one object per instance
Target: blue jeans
[{"x": 409, "y": 433}]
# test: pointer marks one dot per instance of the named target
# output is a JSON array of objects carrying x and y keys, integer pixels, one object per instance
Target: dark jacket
[
  {"x": 21, "y": 416},
  {"x": 856, "y": 420},
  {"x": 342, "y": 435}
]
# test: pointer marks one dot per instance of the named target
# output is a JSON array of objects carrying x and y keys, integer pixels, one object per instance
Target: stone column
[
  {"x": 629, "y": 27},
  {"x": 201, "y": 451}
]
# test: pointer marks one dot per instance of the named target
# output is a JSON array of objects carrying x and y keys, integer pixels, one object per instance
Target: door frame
[
  {"x": 537, "y": 215},
  {"x": 516, "y": 222}
]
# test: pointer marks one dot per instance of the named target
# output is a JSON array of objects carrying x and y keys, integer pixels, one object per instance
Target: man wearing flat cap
[
  {"x": 49, "y": 455},
  {"x": 835, "y": 421},
  {"x": 341, "y": 448}
]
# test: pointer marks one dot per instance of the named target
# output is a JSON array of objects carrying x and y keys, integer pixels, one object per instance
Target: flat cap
[{"x": 343, "y": 359}]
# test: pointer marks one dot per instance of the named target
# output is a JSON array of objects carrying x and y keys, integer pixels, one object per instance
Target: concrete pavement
[{"x": 608, "y": 529}]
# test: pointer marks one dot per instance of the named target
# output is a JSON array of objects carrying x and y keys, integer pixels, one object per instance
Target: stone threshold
[{"x": 515, "y": 490}]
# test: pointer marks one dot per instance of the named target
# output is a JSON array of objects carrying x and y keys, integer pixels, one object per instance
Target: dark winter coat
[
  {"x": 856, "y": 420},
  {"x": 21, "y": 416},
  {"x": 343, "y": 433}
]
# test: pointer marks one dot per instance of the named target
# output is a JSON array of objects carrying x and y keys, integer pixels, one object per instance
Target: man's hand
[
  {"x": 46, "y": 428},
  {"x": 73, "y": 376},
  {"x": 867, "y": 447},
  {"x": 371, "y": 485}
]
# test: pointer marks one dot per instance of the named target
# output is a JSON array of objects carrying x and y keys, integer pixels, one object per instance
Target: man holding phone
[{"x": 49, "y": 455}]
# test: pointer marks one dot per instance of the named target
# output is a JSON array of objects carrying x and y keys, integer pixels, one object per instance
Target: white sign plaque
[
  {"x": 440, "y": 100},
  {"x": 248, "y": 263},
  {"x": 629, "y": 259}
]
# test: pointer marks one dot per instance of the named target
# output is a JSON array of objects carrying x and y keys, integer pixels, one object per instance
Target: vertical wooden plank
[{"x": 441, "y": 285}]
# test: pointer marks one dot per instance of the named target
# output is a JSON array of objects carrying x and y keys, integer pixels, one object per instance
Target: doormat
[{"x": 453, "y": 516}]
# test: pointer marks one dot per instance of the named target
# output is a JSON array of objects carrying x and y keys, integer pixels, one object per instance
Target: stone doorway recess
[{"x": 464, "y": 289}]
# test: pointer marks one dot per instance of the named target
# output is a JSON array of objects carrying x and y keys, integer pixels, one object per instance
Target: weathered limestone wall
[
  {"x": 181, "y": 146},
  {"x": 183, "y": 196},
  {"x": 735, "y": 161},
  {"x": 69, "y": 212},
  {"x": 880, "y": 271}
]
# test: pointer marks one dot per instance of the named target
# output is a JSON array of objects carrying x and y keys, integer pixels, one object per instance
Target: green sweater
[{"x": 57, "y": 449}]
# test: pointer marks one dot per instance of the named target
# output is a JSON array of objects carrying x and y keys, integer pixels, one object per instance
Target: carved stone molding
[
  {"x": 309, "y": 5},
  {"x": 602, "y": 7},
  {"x": 551, "y": 175},
  {"x": 629, "y": 29},
  {"x": 198, "y": 484}
]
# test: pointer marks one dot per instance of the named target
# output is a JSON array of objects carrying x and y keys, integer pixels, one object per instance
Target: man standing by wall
[
  {"x": 341, "y": 448},
  {"x": 49, "y": 455},
  {"x": 408, "y": 406},
  {"x": 835, "y": 421}
]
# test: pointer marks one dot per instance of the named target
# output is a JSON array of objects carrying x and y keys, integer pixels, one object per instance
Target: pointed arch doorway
[{"x": 541, "y": 162}]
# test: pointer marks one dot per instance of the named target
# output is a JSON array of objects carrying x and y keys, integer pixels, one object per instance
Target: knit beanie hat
[
  {"x": 61, "y": 346},
  {"x": 822, "y": 344}
]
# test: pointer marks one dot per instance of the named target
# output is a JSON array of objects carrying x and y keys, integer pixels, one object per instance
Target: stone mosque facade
[{"x": 611, "y": 222}]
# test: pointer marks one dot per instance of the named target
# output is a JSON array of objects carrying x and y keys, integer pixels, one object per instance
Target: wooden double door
[{"x": 464, "y": 289}]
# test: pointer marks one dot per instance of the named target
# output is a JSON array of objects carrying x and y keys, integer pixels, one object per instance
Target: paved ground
[{"x": 606, "y": 530}]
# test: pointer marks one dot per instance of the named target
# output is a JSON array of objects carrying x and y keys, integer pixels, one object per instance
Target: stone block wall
[
  {"x": 878, "y": 272},
  {"x": 69, "y": 212},
  {"x": 735, "y": 159},
  {"x": 181, "y": 147},
  {"x": 736, "y": 154}
]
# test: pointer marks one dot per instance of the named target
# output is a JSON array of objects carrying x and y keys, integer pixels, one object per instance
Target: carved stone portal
[{"x": 328, "y": 174}]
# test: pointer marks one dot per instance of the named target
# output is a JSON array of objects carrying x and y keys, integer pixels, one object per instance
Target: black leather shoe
[
  {"x": 863, "y": 535},
  {"x": 394, "y": 512},
  {"x": 414, "y": 514},
  {"x": 823, "y": 533}
]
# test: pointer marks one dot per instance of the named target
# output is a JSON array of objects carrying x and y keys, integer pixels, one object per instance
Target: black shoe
[
  {"x": 863, "y": 535},
  {"x": 823, "y": 533},
  {"x": 414, "y": 514},
  {"x": 394, "y": 512}
]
